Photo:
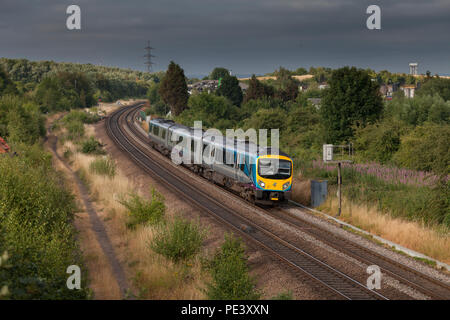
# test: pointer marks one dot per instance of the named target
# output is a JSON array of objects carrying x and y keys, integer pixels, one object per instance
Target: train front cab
[{"x": 273, "y": 181}]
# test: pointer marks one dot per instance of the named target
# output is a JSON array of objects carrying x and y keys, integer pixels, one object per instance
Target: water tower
[{"x": 413, "y": 68}]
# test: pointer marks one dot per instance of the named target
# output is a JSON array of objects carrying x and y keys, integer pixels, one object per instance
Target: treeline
[{"x": 62, "y": 86}]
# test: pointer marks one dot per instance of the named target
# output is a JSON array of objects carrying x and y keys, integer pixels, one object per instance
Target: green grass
[
  {"x": 103, "y": 166},
  {"x": 284, "y": 296},
  {"x": 178, "y": 240}
]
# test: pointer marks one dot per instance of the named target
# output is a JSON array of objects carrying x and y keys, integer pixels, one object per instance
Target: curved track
[
  {"x": 337, "y": 284},
  {"x": 434, "y": 288}
]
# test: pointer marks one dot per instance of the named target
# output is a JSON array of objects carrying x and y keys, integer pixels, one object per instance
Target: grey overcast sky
[{"x": 246, "y": 36}]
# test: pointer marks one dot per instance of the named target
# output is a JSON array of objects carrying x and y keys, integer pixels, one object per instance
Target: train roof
[{"x": 244, "y": 146}]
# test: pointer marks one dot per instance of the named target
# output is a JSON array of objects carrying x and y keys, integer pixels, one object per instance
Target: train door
[{"x": 240, "y": 167}]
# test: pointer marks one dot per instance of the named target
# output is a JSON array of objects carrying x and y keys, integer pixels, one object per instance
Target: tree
[
  {"x": 257, "y": 90},
  {"x": 300, "y": 71},
  {"x": 353, "y": 98},
  {"x": 6, "y": 85},
  {"x": 380, "y": 141},
  {"x": 426, "y": 148},
  {"x": 218, "y": 73},
  {"x": 230, "y": 89},
  {"x": 215, "y": 111},
  {"x": 173, "y": 89},
  {"x": 436, "y": 86},
  {"x": 290, "y": 92}
]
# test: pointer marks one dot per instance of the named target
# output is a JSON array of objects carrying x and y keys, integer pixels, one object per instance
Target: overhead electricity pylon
[{"x": 148, "y": 57}]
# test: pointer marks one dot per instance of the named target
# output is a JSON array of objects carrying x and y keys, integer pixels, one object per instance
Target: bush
[
  {"x": 178, "y": 240},
  {"x": 425, "y": 148},
  {"x": 103, "y": 166},
  {"x": 230, "y": 274},
  {"x": 20, "y": 120},
  {"x": 91, "y": 146},
  {"x": 35, "y": 228},
  {"x": 379, "y": 142},
  {"x": 81, "y": 116},
  {"x": 141, "y": 211},
  {"x": 419, "y": 110}
]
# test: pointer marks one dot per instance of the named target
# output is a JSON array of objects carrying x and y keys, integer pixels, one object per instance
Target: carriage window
[
  {"x": 163, "y": 133},
  {"x": 219, "y": 156},
  {"x": 155, "y": 130},
  {"x": 228, "y": 158}
]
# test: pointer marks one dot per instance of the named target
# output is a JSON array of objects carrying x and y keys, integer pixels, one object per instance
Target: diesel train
[{"x": 259, "y": 175}]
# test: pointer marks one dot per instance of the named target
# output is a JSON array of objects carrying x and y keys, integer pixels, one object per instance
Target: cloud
[{"x": 248, "y": 36}]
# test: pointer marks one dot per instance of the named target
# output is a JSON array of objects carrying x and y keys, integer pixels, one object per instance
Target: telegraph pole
[{"x": 148, "y": 57}]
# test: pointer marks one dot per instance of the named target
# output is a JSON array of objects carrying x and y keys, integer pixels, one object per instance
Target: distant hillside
[
  {"x": 56, "y": 86},
  {"x": 27, "y": 71}
]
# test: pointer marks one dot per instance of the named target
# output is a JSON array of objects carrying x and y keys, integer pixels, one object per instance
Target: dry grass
[
  {"x": 101, "y": 280},
  {"x": 153, "y": 276},
  {"x": 301, "y": 191},
  {"x": 433, "y": 242}
]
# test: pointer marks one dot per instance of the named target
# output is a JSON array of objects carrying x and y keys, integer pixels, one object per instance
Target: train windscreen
[{"x": 274, "y": 169}]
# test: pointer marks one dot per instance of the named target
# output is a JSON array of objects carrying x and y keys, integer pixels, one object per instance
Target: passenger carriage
[{"x": 260, "y": 175}]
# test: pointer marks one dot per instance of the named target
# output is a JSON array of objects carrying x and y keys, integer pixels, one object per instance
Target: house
[
  {"x": 4, "y": 148},
  {"x": 205, "y": 85},
  {"x": 302, "y": 87},
  {"x": 323, "y": 85},
  {"x": 409, "y": 90},
  {"x": 387, "y": 90}
]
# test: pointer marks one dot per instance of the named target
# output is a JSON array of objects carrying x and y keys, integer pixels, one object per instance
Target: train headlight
[
  {"x": 286, "y": 185},
  {"x": 262, "y": 184}
]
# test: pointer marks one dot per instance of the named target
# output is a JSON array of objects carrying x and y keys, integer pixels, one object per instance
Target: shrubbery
[
  {"x": 230, "y": 273},
  {"x": 426, "y": 148},
  {"x": 20, "y": 120},
  {"x": 141, "y": 211},
  {"x": 178, "y": 240},
  {"x": 35, "y": 228},
  {"x": 91, "y": 146}
]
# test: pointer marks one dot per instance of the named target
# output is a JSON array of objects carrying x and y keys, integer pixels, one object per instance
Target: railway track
[
  {"x": 434, "y": 288},
  {"x": 429, "y": 286},
  {"x": 337, "y": 284}
]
